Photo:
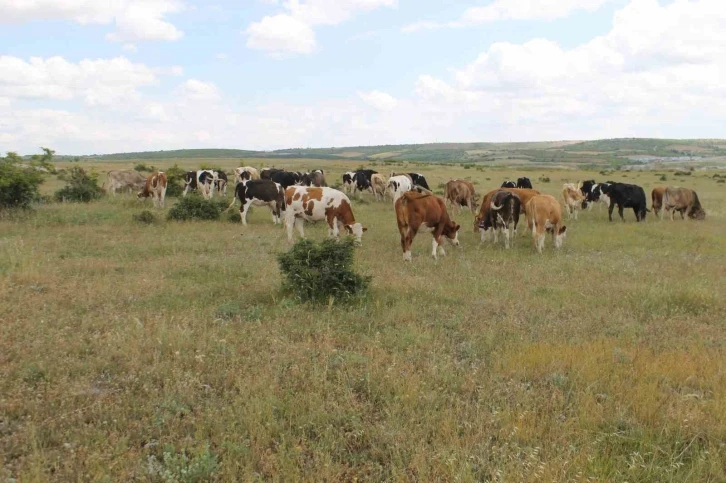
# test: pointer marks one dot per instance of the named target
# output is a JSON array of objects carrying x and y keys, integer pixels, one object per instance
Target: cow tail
[{"x": 234, "y": 198}]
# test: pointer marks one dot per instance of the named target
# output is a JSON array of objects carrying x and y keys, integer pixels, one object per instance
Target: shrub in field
[
  {"x": 18, "y": 185},
  {"x": 81, "y": 187},
  {"x": 234, "y": 217},
  {"x": 146, "y": 217},
  {"x": 544, "y": 179},
  {"x": 318, "y": 272},
  {"x": 141, "y": 167},
  {"x": 663, "y": 177},
  {"x": 194, "y": 207},
  {"x": 174, "y": 181},
  {"x": 180, "y": 467}
]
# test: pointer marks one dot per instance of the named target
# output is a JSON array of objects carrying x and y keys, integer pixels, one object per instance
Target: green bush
[
  {"x": 146, "y": 217},
  {"x": 319, "y": 272},
  {"x": 81, "y": 187},
  {"x": 18, "y": 185},
  {"x": 194, "y": 207},
  {"x": 663, "y": 177},
  {"x": 174, "y": 181},
  {"x": 141, "y": 167},
  {"x": 184, "y": 466}
]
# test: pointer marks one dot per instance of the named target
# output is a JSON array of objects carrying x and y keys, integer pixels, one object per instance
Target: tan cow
[
  {"x": 656, "y": 197},
  {"x": 544, "y": 215},
  {"x": 573, "y": 198},
  {"x": 458, "y": 193},
  {"x": 524, "y": 196},
  {"x": 684, "y": 201},
  {"x": 427, "y": 213},
  {"x": 155, "y": 188},
  {"x": 239, "y": 175},
  {"x": 125, "y": 180},
  {"x": 378, "y": 184}
]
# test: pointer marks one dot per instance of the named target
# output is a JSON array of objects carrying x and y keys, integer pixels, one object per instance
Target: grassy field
[{"x": 168, "y": 353}]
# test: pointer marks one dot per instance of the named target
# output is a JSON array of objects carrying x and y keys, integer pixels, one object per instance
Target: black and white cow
[
  {"x": 220, "y": 181},
  {"x": 260, "y": 192},
  {"x": 419, "y": 180},
  {"x": 348, "y": 183},
  {"x": 313, "y": 178},
  {"x": 598, "y": 193},
  {"x": 286, "y": 178},
  {"x": 524, "y": 183},
  {"x": 202, "y": 181},
  {"x": 509, "y": 184},
  {"x": 266, "y": 173},
  {"x": 586, "y": 189},
  {"x": 626, "y": 196},
  {"x": 502, "y": 216},
  {"x": 362, "y": 180}
]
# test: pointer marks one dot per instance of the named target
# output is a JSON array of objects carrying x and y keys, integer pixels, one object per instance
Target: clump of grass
[
  {"x": 544, "y": 179},
  {"x": 182, "y": 468},
  {"x": 663, "y": 177},
  {"x": 319, "y": 272},
  {"x": 146, "y": 217},
  {"x": 194, "y": 207},
  {"x": 234, "y": 217}
]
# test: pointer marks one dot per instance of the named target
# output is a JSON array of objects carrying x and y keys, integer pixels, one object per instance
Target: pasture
[{"x": 167, "y": 352}]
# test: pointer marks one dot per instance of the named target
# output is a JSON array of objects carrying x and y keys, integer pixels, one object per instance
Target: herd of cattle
[{"x": 304, "y": 196}]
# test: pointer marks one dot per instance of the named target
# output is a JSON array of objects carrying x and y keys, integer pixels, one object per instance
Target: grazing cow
[
  {"x": 259, "y": 192},
  {"x": 245, "y": 172},
  {"x": 125, "y": 180},
  {"x": 266, "y": 173},
  {"x": 524, "y": 197},
  {"x": 285, "y": 178},
  {"x": 544, "y": 215},
  {"x": 362, "y": 180},
  {"x": 427, "y": 213},
  {"x": 586, "y": 189},
  {"x": 155, "y": 188},
  {"x": 419, "y": 180},
  {"x": 398, "y": 185},
  {"x": 509, "y": 184},
  {"x": 314, "y": 178},
  {"x": 459, "y": 192},
  {"x": 626, "y": 196},
  {"x": 573, "y": 198},
  {"x": 656, "y": 197},
  {"x": 524, "y": 183},
  {"x": 202, "y": 181},
  {"x": 378, "y": 183},
  {"x": 348, "y": 181},
  {"x": 502, "y": 216},
  {"x": 683, "y": 200},
  {"x": 317, "y": 204},
  {"x": 220, "y": 181}
]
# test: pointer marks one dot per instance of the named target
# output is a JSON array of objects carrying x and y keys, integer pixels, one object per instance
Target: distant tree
[{"x": 18, "y": 184}]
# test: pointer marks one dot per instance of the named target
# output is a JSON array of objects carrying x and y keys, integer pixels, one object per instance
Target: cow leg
[
  {"x": 243, "y": 211},
  {"x": 637, "y": 214},
  {"x": 682, "y": 212},
  {"x": 506, "y": 237},
  {"x": 610, "y": 211},
  {"x": 620, "y": 212},
  {"x": 299, "y": 222},
  {"x": 289, "y": 223},
  {"x": 434, "y": 247},
  {"x": 273, "y": 209}
]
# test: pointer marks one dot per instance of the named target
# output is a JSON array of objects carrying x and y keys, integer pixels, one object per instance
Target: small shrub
[
  {"x": 81, "y": 187},
  {"x": 544, "y": 179},
  {"x": 18, "y": 185},
  {"x": 194, "y": 207},
  {"x": 174, "y": 181},
  {"x": 682, "y": 173},
  {"x": 141, "y": 167},
  {"x": 180, "y": 467},
  {"x": 146, "y": 217},
  {"x": 663, "y": 177},
  {"x": 234, "y": 217},
  {"x": 318, "y": 272},
  {"x": 721, "y": 181}
]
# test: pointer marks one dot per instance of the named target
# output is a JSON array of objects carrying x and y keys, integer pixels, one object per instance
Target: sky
[{"x": 107, "y": 76}]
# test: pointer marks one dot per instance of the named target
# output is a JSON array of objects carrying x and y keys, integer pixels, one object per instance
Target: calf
[
  {"x": 626, "y": 196},
  {"x": 683, "y": 200},
  {"x": 544, "y": 215},
  {"x": 378, "y": 184},
  {"x": 259, "y": 192},
  {"x": 524, "y": 183},
  {"x": 316, "y": 204},
  {"x": 509, "y": 184},
  {"x": 502, "y": 216},
  {"x": 398, "y": 185},
  {"x": 573, "y": 198},
  {"x": 348, "y": 181},
  {"x": 245, "y": 172},
  {"x": 424, "y": 212},
  {"x": 155, "y": 188},
  {"x": 656, "y": 197},
  {"x": 459, "y": 192}
]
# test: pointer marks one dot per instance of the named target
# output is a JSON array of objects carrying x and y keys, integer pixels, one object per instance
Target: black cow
[
  {"x": 509, "y": 184},
  {"x": 362, "y": 179},
  {"x": 524, "y": 183},
  {"x": 626, "y": 196},
  {"x": 285, "y": 178},
  {"x": 419, "y": 180},
  {"x": 586, "y": 189},
  {"x": 502, "y": 214},
  {"x": 221, "y": 181},
  {"x": 266, "y": 173},
  {"x": 260, "y": 192}
]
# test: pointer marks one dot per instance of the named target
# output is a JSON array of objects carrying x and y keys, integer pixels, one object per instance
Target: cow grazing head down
[{"x": 356, "y": 230}]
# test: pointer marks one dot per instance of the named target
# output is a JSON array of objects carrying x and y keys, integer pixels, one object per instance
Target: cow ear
[
  {"x": 456, "y": 228},
  {"x": 563, "y": 230}
]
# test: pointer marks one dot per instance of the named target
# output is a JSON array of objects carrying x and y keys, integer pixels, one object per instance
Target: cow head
[
  {"x": 697, "y": 213},
  {"x": 356, "y": 229},
  {"x": 451, "y": 232}
]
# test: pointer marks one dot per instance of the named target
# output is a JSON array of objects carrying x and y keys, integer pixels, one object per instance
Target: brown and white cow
[
  {"x": 502, "y": 216},
  {"x": 656, "y": 197},
  {"x": 125, "y": 180},
  {"x": 427, "y": 213},
  {"x": 573, "y": 198},
  {"x": 317, "y": 204},
  {"x": 545, "y": 215},
  {"x": 524, "y": 196},
  {"x": 459, "y": 192},
  {"x": 683, "y": 200},
  {"x": 155, "y": 188}
]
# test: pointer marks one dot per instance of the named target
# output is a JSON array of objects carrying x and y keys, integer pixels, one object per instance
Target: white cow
[
  {"x": 398, "y": 185},
  {"x": 317, "y": 204}
]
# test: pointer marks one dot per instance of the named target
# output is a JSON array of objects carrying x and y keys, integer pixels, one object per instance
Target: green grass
[{"x": 168, "y": 351}]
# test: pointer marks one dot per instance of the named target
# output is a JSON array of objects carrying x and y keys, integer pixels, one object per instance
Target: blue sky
[{"x": 84, "y": 76}]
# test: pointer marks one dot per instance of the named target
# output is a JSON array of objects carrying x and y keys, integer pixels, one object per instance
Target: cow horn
[{"x": 494, "y": 207}]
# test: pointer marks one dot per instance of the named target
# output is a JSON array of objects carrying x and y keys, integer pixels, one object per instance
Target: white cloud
[
  {"x": 292, "y": 31},
  {"x": 196, "y": 90},
  {"x": 129, "y": 47},
  {"x": 221, "y": 56},
  {"x": 379, "y": 100},
  {"x": 134, "y": 19},
  {"x": 511, "y": 10}
]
